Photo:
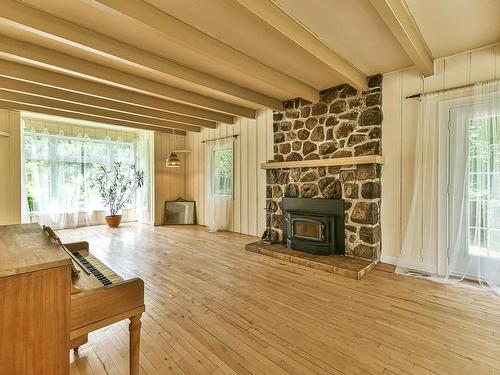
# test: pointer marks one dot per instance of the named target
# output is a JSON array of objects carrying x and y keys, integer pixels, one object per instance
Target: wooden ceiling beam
[
  {"x": 104, "y": 113},
  {"x": 5, "y": 104},
  {"x": 397, "y": 17},
  {"x": 74, "y": 97},
  {"x": 47, "y": 25},
  {"x": 72, "y": 65},
  {"x": 68, "y": 83},
  {"x": 183, "y": 34},
  {"x": 279, "y": 20}
]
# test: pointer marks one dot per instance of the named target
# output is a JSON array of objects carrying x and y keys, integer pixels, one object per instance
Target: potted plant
[{"x": 117, "y": 187}]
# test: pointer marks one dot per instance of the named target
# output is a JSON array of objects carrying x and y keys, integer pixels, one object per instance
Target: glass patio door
[{"x": 474, "y": 192}]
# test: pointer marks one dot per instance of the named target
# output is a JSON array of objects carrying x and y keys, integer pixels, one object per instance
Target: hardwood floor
[{"x": 214, "y": 308}]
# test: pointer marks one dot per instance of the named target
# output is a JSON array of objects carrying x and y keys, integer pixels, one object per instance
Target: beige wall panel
[
  {"x": 192, "y": 169},
  {"x": 391, "y": 170},
  {"x": 482, "y": 65},
  {"x": 401, "y": 121},
  {"x": 237, "y": 179},
  {"x": 245, "y": 176},
  {"x": 252, "y": 147},
  {"x": 435, "y": 82},
  {"x": 169, "y": 183},
  {"x": 262, "y": 142},
  {"x": 198, "y": 158},
  {"x": 457, "y": 71},
  {"x": 496, "y": 56},
  {"x": 10, "y": 168}
]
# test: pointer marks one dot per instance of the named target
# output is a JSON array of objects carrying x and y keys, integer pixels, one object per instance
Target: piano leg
[
  {"x": 79, "y": 341},
  {"x": 135, "y": 343}
]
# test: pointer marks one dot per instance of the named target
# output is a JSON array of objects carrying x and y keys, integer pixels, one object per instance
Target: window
[
  {"x": 222, "y": 171},
  {"x": 484, "y": 187},
  {"x": 57, "y": 170}
]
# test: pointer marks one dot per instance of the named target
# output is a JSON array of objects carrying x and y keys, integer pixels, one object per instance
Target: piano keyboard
[{"x": 102, "y": 273}]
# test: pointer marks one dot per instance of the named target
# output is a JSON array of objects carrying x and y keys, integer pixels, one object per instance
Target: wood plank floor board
[{"x": 214, "y": 308}]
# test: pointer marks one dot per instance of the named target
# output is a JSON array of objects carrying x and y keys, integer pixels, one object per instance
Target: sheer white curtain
[
  {"x": 219, "y": 179},
  {"x": 57, "y": 169},
  {"x": 144, "y": 199},
  {"x": 53, "y": 181},
  {"x": 454, "y": 220}
]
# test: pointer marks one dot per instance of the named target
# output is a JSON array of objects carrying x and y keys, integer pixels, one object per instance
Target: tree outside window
[
  {"x": 484, "y": 187},
  {"x": 222, "y": 172}
]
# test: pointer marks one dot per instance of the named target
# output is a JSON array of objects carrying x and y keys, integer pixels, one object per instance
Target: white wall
[
  {"x": 10, "y": 168},
  {"x": 253, "y": 147},
  {"x": 399, "y": 133},
  {"x": 169, "y": 183}
]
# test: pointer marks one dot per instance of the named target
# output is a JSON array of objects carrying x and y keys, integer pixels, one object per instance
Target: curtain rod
[
  {"x": 451, "y": 88},
  {"x": 216, "y": 139}
]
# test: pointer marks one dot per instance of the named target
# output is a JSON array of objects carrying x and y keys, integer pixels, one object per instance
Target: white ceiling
[
  {"x": 453, "y": 26},
  {"x": 352, "y": 29},
  {"x": 222, "y": 19}
]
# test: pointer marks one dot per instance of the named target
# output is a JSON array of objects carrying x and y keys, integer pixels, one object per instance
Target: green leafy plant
[
  {"x": 31, "y": 205},
  {"x": 117, "y": 186}
]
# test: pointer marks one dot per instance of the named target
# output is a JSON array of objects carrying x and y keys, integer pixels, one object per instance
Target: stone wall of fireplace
[{"x": 345, "y": 122}]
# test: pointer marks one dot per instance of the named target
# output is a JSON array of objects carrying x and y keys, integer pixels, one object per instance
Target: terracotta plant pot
[{"x": 113, "y": 221}]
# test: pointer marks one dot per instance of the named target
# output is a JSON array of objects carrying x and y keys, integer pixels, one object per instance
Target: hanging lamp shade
[{"x": 173, "y": 161}]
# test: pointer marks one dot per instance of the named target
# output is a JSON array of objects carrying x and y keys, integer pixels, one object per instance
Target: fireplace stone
[{"x": 344, "y": 123}]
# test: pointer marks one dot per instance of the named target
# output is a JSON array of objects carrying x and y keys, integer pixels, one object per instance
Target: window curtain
[
  {"x": 53, "y": 182},
  {"x": 57, "y": 169},
  {"x": 218, "y": 208},
  {"x": 453, "y": 228},
  {"x": 144, "y": 158}
]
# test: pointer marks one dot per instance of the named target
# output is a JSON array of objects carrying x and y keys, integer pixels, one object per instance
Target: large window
[
  {"x": 57, "y": 170},
  {"x": 484, "y": 187},
  {"x": 222, "y": 171}
]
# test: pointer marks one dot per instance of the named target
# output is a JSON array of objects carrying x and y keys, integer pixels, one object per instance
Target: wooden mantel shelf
[{"x": 366, "y": 159}]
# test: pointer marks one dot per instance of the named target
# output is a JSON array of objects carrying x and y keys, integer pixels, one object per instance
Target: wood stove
[{"x": 314, "y": 225}]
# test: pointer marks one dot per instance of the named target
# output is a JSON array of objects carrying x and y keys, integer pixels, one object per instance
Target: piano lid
[{"x": 26, "y": 248}]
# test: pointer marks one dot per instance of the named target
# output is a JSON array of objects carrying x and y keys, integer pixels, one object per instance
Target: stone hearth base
[{"x": 354, "y": 268}]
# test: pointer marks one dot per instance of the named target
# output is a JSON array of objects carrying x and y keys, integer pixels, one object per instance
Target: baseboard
[
  {"x": 389, "y": 259},
  {"x": 417, "y": 266}
]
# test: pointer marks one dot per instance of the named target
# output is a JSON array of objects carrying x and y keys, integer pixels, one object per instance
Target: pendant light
[{"x": 173, "y": 160}]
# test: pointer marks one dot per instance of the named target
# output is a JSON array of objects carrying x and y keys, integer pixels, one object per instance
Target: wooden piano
[{"x": 52, "y": 295}]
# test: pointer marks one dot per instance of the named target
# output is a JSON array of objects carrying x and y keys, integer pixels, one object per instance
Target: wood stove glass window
[{"x": 308, "y": 229}]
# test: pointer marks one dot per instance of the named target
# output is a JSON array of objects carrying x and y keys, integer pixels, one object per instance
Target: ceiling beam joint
[
  {"x": 176, "y": 31},
  {"x": 277, "y": 18},
  {"x": 397, "y": 17}
]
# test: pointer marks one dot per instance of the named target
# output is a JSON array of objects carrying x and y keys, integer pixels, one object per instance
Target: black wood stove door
[
  {"x": 314, "y": 225},
  {"x": 309, "y": 233}
]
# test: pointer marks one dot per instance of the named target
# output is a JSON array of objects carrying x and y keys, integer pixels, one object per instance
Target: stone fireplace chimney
[{"x": 344, "y": 123}]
